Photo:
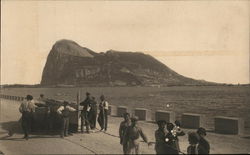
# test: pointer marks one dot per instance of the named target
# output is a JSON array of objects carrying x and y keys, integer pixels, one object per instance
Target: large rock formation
[{"x": 70, "y": 64}]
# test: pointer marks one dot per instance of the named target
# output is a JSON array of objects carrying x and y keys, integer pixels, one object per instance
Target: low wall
[
  {"x": 192, "y": 121},
  {"x": 143, "y": 114},
  {"x": 121, "y": 110},
  {"x": 228, "y": 125},
  {"x": 168, "y": 116}
]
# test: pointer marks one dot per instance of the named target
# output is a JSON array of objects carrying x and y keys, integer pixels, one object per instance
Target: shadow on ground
[
  {"x": 11, "y": 127},
  {"x": 14, "y": 127}
]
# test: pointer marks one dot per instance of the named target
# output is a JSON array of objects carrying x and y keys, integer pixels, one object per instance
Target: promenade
[{"x": 97, "y": 142}]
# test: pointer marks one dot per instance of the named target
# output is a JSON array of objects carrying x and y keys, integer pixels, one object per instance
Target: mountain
[{"x": 70, "y": 64}]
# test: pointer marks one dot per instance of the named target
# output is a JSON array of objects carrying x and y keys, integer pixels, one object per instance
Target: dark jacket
[
  {"x": 204, "y": 147},
  {"x": 171, "y": 142},
  {"x": 86, "y": 103},
  {"x": 122, "y": 129},
  {"x": 160, "y": 144}
]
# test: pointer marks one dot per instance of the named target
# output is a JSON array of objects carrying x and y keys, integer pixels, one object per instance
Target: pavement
[{"x": 97, "y": 142}]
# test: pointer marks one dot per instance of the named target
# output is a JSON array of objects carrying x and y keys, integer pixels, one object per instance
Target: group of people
[
  {"x": 88, "y": 114},
  {"x": 167, "y": 141},
  {"x": 166, "y": 136}
]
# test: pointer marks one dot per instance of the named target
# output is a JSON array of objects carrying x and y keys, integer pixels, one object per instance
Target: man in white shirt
[
  {"x": 103, "y": 115},
  {"x": 27, "y": 108},
  {"x": 64, "y": 112}
]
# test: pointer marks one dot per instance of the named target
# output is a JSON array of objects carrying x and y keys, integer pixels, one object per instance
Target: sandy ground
[{"x": 97, "y": 142}]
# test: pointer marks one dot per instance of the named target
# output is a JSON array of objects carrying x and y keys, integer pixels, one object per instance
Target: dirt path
[{"x": 97, "y": 142}]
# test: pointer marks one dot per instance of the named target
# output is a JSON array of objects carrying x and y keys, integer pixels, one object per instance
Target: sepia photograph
[{"x": 125, "y": 77}]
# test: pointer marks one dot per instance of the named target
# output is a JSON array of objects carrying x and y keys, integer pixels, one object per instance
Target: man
[
  {"x": 42, "y": 98},
  {"x": 27, "y": 108},
  {"x": 132, "y": 137},
  {"x": 160, "y": 135},
  {"x": 122, "y": 129},
  {"x": 64, "y": 112},
  {"x": 93, "y": 114},
  {"x": 85, "y": 112},
  {"x": 42, "y": 102},
  {"x": 203, "y": 146},
  {"x": 103, "y": 115}
]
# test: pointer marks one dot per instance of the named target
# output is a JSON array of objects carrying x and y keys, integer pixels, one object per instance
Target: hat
[
  {"x": 29, "y": 97},
  {"x": 161, "y": 122},
  {"x": 134, "y": 119},
  {"x": 102, "y": 97},
  {"x": 177, "y": 123},
  {"x": 170, "y": 126},
  {"x": 87, "y": 93},
  {"x": 126, "y": 114},
  {"x": 201, "y": 131}
]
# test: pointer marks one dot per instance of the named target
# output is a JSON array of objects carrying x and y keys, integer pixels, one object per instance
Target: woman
[{"x": 160, "y": 135}]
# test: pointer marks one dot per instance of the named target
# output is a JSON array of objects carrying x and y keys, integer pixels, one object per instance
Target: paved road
[{"x": 98, "y": 142}]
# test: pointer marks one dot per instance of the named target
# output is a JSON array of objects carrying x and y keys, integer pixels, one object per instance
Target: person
[
  {"x": 123, "y": 126},
  {"x": 42, "y": 98},
  {"x": 160, "y": 135},
  {"x": 93, "y": 114},
  {"x": 103, "y": 114},
  {"x": 27, "y": 108},
  {"x": 64, "y": 112},
  {"x": 203, "y": 146},
  {"x": 178, "y": 132},
  {"x": 132, "y": 137},
  {"x": 193, "y": 139},
  {"x": 171, "y": 140},
  {"x": 85, "y": 112}
]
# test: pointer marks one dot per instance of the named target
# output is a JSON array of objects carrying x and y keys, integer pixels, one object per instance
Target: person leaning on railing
[
  {"x": 64, "y": 112},
  {"x": 27, "y": 108}
]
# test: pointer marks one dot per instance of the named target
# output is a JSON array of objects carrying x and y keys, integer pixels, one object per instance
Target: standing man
[
  {"x": 103, "y": 115},
  {"x": 93, "y": 114},
  {"x": 85, "y": 112},
  {"x": 132, "y": 137},
  {"x": 27, "y": 108},
  {"x": 123, "y": 127},
  {"x": 42, "y": 99},
  {"x": 204, "y": 147},
  {"x": 64, "y": 112}
]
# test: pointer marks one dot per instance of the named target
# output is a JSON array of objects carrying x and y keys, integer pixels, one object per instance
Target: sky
[{"x": 206, "y": 40}]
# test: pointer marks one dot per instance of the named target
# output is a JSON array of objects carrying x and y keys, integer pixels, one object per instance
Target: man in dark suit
[
  {"x": 85, "y": 112},
  {"x": 203, "y": 146}
]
